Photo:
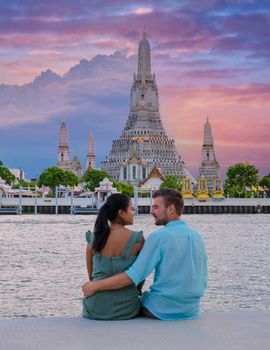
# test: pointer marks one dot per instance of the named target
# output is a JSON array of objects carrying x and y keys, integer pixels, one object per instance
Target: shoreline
[{"x": 84, "y": 206}]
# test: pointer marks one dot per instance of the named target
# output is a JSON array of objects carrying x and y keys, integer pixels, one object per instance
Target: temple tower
[
  {"x": 91, "y": 155},
  {"x": 209, "y": 168},
  {"x": 63, "y": 148},
  {"x": 144, "y": 133}
]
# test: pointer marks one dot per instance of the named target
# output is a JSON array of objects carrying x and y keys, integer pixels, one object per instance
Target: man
[{"x": 177, "y": 254}]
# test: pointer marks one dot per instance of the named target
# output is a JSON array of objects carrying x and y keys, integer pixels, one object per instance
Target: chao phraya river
[{"x": 42, "y": 262}]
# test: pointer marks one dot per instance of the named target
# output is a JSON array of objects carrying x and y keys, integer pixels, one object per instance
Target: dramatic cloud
[{"x": 211, "y": 58}]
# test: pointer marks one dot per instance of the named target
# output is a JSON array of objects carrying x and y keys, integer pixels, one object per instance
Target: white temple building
[
  {"x": 143, "y": 143},
  {"x": 102, "y": 192},
  {"x": 209, "y": 168}
]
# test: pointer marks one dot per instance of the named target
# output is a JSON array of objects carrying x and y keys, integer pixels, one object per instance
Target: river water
[{"x": 42, "y": 262}]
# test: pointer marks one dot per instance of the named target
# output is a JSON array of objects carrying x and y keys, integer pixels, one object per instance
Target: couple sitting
[{"x": 118, "y": 260}]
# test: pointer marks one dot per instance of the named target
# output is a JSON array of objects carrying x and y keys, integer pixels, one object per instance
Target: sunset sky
[{"x": 74, "y": 60}]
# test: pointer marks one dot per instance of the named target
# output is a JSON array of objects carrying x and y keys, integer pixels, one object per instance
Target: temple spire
[
  {"x": 208, "y": 138},
  {"x": 63, "y": 148},
  {"x": 209, "y": 168},
  {"x": 63, "y": 134},
  {"x": 144, "y": 59},
  {"x": 91, "y": 155}
]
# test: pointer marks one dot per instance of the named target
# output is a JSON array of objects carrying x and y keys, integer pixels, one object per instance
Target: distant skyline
[{"x": 74, "y": 60}]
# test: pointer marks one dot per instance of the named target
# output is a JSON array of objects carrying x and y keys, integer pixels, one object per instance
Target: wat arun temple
[
  {"x": 143, "y": 143},
  {"x": 143, "y": 147}
]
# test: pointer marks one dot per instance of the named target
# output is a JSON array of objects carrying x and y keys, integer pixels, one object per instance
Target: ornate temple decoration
[
  {"x": 187, "y": 190},
  {"x": 135, "y": 169},
  {"x": 217, "y": 192},
  {"x": 202, "y": 193},
  {"x": 154, "y": 179}
]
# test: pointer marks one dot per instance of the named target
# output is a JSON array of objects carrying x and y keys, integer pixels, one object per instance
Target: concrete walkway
[{"x": 234, "y": 330}]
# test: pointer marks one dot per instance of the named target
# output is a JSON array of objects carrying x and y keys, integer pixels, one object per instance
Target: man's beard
[{"x": 160, "y": 222}]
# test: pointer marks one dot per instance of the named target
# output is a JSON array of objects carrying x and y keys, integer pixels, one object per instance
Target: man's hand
[
  {"x": 115, "y": 282},
  {"x": 88, "y": 288}
]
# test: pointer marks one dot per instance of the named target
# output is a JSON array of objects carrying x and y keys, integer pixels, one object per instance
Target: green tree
[
  {"x": 171, "y": 181},
  {"x": 24, "y": 183},
  {"x": 5, "y": 174},
  {"x": 93, "y": 177},
  {"x": 54, "y": 176},
  {"x": 239, "y": 176},
  {"x": 124, "y": 188},
  {"x": 265, "y": 182}
]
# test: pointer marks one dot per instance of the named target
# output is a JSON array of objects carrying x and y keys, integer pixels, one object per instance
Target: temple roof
[
  {"x": 155, "y": 173},
  {"x": 76, "y": 161}
]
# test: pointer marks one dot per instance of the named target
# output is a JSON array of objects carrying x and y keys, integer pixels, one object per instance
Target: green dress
[{"x": 119, "y": 304}]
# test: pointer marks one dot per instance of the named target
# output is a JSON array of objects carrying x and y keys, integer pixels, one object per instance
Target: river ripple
[{"x": 42, "y": 262}]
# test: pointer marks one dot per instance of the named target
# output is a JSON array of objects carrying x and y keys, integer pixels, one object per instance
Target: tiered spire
[
  {"x": 91, "y": 155},
  {"x": 144, "y": 101},
  {"x": 209, "y": 168},
  {"x": 63, "y": 148},
  {"x": 63, "y": 134},
  {"x": 208, "y": 138}
]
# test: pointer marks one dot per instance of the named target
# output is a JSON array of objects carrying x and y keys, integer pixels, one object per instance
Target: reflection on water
[{"x": 42, "y": 262}]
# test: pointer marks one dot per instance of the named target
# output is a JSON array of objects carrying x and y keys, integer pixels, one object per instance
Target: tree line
[{"x": 241, "y": 180}]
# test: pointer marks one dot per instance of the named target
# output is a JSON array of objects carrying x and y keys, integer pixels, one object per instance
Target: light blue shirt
[{"x": 177, "y": 253}]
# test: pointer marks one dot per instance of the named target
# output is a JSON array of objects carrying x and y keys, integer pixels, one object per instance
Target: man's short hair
[{"x": 171, "y": 196}]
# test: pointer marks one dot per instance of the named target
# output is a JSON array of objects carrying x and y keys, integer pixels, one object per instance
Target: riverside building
[{"x": 143, "y": 143}]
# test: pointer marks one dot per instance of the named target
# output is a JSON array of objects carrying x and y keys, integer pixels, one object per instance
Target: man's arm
[
  {"x": 115, "y": 282},
  {"x": 142, "y": 267}
]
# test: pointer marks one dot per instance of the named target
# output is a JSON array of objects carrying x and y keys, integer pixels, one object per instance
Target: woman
[{"x": 111, "y": 249}]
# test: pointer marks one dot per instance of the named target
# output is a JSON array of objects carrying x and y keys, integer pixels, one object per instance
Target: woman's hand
[{"x": 88, "y": 289}]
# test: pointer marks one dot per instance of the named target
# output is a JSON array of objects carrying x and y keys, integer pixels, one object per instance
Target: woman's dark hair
[{"x": 108, "y": 212}]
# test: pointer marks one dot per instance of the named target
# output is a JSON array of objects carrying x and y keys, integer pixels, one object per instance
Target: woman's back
[
  {"x": 118, "y": 254},
  {"x": 112, "y": 249},
  {"x": 117, "y": 241}
]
